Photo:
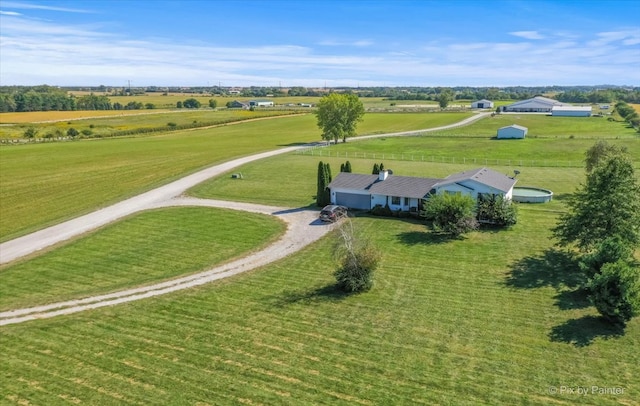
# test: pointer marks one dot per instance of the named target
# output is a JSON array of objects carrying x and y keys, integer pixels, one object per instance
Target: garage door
[{"x": 353, "y": 201}]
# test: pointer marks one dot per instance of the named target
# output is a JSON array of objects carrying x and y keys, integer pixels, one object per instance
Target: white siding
[{"x": 511, "y": 132}]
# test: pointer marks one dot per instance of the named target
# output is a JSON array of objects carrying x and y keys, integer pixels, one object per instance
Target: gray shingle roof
[
  {"x": 404, "y": 186},
  {"x": 486, "y": 176},
  {"x": 356, "y": 181}
]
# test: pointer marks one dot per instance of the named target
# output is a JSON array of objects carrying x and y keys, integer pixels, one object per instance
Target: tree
[
  {"x": 606, "y": 206},
  {"x": 599, "y": 151},
  {"x": 30, "y": 132},
  {"x": 358, "y": 260},
  {"x": 615, "y": 292},
  {"x": 72, "y": 132},
  {"x": 338, "y": 116},
  {"x": 323, "y": 196},
  {"x": 376, "y": 169},
  {"x": 191, "y": 104},
  {"x": 213, "y": 103},
  {"x": 610, "y": 250},
  {"x": 451, "y": 213},
  {"x": 179, "y": 104},
  {"x": 497, "y": 211},
  {"x": 444, "y": 98},
  {"x": 345, "y": 167}
]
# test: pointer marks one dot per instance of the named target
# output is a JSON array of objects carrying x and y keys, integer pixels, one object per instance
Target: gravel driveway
[{"x": 303, "y": 228}]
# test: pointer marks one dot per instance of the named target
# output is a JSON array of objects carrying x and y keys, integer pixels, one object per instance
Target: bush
[
  {"x": 379, "y": 210},
  {"x": 451, "y": 214},
  {"x": 615, "y": 292},
  {"x": 86, "y": 132},
  {"x": 72, "y": 132},
  {"x": 358, "y": 260},
  {"x": 497, "y": 211}
]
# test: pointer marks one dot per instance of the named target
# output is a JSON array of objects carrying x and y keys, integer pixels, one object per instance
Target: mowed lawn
[
  {"x": 144, "y": 248},
  {"x": 259, "y": 185},
  {"x": 45, "y": 184},
  {"x": 488, "y": 319}
]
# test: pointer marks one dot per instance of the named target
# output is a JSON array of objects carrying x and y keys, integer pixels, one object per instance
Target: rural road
[{"x": 303, "y": 229}]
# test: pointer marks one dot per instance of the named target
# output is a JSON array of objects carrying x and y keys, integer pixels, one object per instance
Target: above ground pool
[{"x": 531, "y": 195}]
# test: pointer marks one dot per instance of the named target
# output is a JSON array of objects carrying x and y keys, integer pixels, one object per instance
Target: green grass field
[
  {"x": 46, "y": 183},
  {"x": 483, "y": 320},
  {"x": 142, "y": 249},
  {"x": 492, "y": 318}
]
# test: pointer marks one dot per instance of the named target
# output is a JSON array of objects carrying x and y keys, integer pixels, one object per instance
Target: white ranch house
[
  {"x": 406, "y": 193},
  {"x": 512, "y": 131}
]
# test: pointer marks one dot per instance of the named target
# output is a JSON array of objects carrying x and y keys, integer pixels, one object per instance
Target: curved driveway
[{"x": 302, "y": 230}]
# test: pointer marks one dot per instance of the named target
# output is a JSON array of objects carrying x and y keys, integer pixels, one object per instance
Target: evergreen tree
[
  {"x": 347, "y": 167},
  {"x": 376, "y": 169}
]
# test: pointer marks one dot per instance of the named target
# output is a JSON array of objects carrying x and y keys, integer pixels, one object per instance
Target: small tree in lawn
[
  {"x": 357, "y": 257},
  {"x": 615, "y": 292},
  {"x": 347, "y": 167},
  {"x": 451, "y": 213},
  {"x": 376, "y": 169}
]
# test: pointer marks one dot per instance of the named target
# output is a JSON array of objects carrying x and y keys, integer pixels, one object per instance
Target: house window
[
  {"x": 406, "y": 201},
  {"x": 395, "y": 200}
]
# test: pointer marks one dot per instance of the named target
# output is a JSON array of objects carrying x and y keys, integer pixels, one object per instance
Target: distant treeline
[{"x": 49, "y": 98}]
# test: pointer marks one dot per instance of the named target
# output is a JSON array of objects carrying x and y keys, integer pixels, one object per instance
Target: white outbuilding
[
  {"x": 512, "y": 131},
  {"x": 482, "y": 104},
  {"x": 571, "y": 111}
]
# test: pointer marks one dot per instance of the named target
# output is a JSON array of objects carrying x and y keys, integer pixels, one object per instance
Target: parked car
[{"x": 333, "y": 213}]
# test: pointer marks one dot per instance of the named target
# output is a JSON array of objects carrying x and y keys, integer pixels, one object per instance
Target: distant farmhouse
[
  {"x": 251, "y": 103},
  {"x": 260, "y": 103},
  {"x": 238, "y": 105},
  {"x": 541, "y": 104},
  {"x": 482, "y": 104},
  {"x": 512, "y": 131},
  {"x": 405, "y": 193}
]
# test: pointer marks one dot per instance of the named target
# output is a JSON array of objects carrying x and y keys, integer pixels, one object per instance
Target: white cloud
[
  {"x": 9, "y": 13},
  {"x": 527, "y": 34},
  {"x": 28, "y": 6},
  {"x": 36, "y": 52}
]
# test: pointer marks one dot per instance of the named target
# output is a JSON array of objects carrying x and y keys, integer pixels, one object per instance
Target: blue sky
[{"x": 316, "y": 43}]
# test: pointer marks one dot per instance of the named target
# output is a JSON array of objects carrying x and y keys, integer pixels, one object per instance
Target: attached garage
[{"x": 352, "y": 200}]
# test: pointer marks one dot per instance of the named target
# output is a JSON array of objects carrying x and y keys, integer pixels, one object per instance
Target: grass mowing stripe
[
  {"x": 447, "y": 322},
  {"x": 141, "y": 249}
]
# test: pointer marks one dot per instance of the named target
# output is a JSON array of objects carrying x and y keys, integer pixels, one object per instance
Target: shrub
[
  {"x": 615, "y": 292},
  {"x": 86, "y": 132},
  {"x": 72, "y": 132},
  {"x": 358, "y": 260},
  {"x": 451, "y": 214},
  {"x": 497, "y": 211}
]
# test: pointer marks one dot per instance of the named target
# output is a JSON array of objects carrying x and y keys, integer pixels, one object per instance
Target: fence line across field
[{"x": 327, "y": 152}]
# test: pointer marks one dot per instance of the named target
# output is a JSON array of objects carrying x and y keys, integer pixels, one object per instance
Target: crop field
[
  {"x": 490, "y": 318},
  {"x": 106, "y": 125}
]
